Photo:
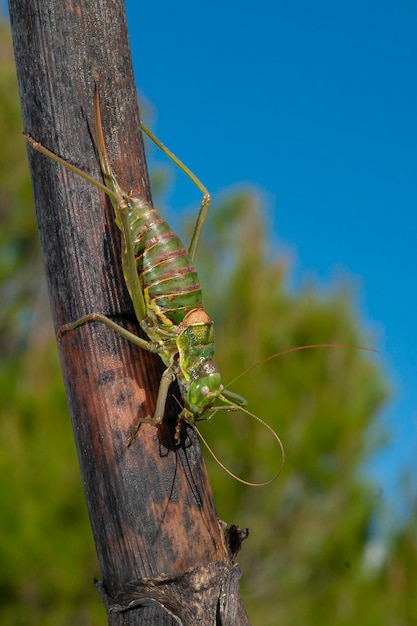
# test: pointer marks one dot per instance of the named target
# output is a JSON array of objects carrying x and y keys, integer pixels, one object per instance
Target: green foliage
[
  {"x": 19, "y": 248},
  {"x": 310, "y": 557},
  {"x": 46, "y": 552}
]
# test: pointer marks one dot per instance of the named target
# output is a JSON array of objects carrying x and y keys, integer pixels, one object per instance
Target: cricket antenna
[
  {"x": 267, "y": 426},
  {"x": 312, "y": 346}
]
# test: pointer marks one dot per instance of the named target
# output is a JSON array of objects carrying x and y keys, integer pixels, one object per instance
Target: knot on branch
[
  {"x": 204, "y": 595},
  {"x": 234, "y": 537}
]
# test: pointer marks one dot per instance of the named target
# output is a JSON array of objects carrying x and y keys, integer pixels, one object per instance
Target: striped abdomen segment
[{"x": 169, "y": 280}]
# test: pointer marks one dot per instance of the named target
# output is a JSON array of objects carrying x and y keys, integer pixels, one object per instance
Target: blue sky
[{"x": 315, "y": 103}]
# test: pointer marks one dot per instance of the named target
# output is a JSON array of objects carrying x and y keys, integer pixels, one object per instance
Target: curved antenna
[
  {"x": 239, "y": 402},
  {"x": 297, "y": 349},
  {"x": 267, "y": 426}
]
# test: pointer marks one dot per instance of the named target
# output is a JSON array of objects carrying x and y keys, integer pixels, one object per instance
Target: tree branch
[{"x": 150, "y": 504}]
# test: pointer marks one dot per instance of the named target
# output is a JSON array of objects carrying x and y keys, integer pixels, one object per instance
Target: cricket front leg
[{"x": 166, "y": 379}]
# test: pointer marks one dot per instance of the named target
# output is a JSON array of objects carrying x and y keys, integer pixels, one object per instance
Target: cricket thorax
[{"x": 197, "y": 372}]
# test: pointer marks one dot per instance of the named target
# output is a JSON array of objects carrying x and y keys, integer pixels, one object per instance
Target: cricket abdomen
[{"x": 168, "y": 278}]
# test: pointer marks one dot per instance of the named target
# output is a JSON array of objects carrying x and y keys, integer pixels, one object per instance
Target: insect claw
[{"x": 143, "y": 420}]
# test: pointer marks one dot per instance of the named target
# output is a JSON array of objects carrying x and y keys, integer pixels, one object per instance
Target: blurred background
[{"x": 300, "y": 119}]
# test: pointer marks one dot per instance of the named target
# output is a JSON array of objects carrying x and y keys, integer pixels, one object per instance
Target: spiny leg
[
  {"x": 102, "y": 319},
  {"x": 166, "y": 379},
  {"x": 36, "y": 145},
  {"x": 205, "y": 202}
]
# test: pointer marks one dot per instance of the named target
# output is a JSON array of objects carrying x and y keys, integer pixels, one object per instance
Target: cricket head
[
  {"x": 197, "y": 373},
  {"x": 201, "y": 393}
]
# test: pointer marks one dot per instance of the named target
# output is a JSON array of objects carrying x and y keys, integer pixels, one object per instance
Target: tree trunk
[{"x": 161, "y": 550}]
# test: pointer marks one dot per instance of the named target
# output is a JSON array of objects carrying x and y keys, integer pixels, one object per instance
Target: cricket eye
[{"x": 205, "y": 390}]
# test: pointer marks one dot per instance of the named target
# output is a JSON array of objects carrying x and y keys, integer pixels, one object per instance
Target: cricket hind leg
[{"x": 205, "y": 201}]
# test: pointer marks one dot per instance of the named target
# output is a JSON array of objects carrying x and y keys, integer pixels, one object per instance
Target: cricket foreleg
[{"x": 166, "y": 379}]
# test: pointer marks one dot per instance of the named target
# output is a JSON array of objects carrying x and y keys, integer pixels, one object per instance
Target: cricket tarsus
[{"x": 166, "y": 294}]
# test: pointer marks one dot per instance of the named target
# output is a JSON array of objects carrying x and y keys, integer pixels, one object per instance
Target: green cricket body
[
  {"x": 173, "y": 316},
  {"x": 166, "y": 295}
]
